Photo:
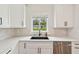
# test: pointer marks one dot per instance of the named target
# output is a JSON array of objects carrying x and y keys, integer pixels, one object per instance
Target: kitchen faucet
[{"x": 39, "y": 32}]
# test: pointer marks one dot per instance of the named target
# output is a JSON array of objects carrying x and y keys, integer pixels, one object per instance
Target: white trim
[
  {"x": 24, "y": 25},
  {"x": 54, "y": 16}
]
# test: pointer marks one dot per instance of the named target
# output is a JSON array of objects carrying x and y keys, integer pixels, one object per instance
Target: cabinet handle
[
  {"x": 22, "y": 23},
  {"x": 65, "y": 23},
  {"x": 24, "y": 45},
  {"x": 8, "y": 52},
  {"x": 0, "y": 20},
  {"x": 39, "y": 50},
  {"x": 76, "y": 47},
  {"x": 76, "y": 44}
]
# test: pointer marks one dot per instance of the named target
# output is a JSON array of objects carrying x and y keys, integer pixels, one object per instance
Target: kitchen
[{"x": 39, "y": 29}]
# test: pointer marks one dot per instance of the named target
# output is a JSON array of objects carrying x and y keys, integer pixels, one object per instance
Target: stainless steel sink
[{"x": 38, "y": 38}]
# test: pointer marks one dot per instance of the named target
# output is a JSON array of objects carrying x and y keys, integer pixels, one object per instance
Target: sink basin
[{"x": 42, "y": 38}]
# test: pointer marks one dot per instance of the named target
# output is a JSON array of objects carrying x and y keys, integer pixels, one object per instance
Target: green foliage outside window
[{"x": 40, "y": 24}]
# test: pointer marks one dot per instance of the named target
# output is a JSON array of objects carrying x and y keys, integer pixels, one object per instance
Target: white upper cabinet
[
  {"x": 63, "y": 16},
  {"x": 17, "y": 15},
  {"x": 12, "y": 15},
  {"x": 4, "y": 16}
]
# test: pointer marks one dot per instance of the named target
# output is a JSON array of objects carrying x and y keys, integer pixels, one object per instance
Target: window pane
[
  {"x": 35, "y": 24},
  {"x": 43, "y": 24},
  {"x": 40, "y": 23}
]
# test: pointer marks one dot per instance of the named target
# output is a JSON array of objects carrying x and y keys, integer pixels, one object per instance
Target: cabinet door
[
  {"x": 46, "y": 50},
  {"x": 75, "y": 47},
  {"x": 68, "y": 12},
  {"x": 66, "y": 47},
  {"x": 57, "y": 47},
  {"x": 32, "y": 48},
  {"x": 46, "y": 47},
  {"x": 58, "y": 15},
  {"x": 22, "y": 48},
  {"x": 61, "y": 47},
  {"x": 40, "y": 47},
  {"x": 17, "y": 15},
  {"x": 63, "y": 16},
  {"x": 35, "y": 47},
  {"x": 4, "y": 16}
]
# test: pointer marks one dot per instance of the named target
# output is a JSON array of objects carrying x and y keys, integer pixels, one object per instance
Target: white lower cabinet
[
  {"x": 35, "y": 47},
  {"x": 75, "y": 47},
  {"x": 32, "y": 50},
  {"x": 22, "y": 47},
  {"x": 40, "y": 47},
  {"x": 46, "y": 50}
]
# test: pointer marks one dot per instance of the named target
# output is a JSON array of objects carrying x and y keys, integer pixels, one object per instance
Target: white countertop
[
  {"x": 11, "y": 42},
  {"x": 50, "y": 39}
]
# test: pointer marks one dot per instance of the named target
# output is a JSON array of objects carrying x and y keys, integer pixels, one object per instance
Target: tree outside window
[{"x": 40, "y": 23}]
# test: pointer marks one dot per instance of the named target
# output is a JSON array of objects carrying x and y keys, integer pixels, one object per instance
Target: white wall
[{"x": 75, "y": 31}]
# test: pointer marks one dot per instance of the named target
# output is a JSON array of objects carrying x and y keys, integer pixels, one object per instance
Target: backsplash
[
  {"x": 52, "y": 32},
  {"x": 6, "y": 33},
  {"x": 61, "y": 32}
]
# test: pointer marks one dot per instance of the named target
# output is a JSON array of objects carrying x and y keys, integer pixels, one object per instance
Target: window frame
[{"x": 39, "y": 25}]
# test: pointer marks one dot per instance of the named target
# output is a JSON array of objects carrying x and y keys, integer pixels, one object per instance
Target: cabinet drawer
[
  {"x": 39, "y": 44},
  {"x": 75, "y": 44},
  {"x": 75, "y": 47},
  {"x": 22, "y": 48},
  {"x": 75, "y": 50},
  {"x": 22, "y": 43}
]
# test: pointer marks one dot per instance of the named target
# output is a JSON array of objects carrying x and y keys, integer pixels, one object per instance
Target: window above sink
[{"x": 39, "y": 23}]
